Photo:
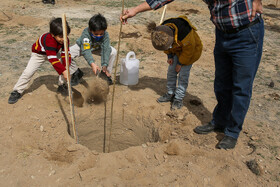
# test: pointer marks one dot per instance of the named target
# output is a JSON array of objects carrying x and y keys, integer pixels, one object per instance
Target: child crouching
[
  {"x": 46, "y": 48},
  {"x": 95, "y": 40}
]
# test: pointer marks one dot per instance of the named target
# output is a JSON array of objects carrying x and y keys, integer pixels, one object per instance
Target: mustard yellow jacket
[{"x": 189, "y": 49}]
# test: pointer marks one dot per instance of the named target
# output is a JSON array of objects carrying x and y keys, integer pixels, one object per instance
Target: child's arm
[
  {"x": 63, "y": 56},
  {"x": 51, "y": 48},
  {"x": 64, "y": 73},
  {"x": 94, "y": 68},
  {"x": 85, "y": 45}
]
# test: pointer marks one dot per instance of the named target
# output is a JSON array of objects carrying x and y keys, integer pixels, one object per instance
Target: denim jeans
[
  {"x": 237, "y": 58},
  {"x": 183, "y": 79}
]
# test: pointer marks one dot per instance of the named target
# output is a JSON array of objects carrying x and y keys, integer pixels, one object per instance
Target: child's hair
[
  {"x": 97, "y": 23},
  {"x": 56, "y": 27},
  {"x": 162, "y": 36}
]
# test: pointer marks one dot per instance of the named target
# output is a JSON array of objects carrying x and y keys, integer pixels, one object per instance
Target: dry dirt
[{"x": 149, "y": 145}]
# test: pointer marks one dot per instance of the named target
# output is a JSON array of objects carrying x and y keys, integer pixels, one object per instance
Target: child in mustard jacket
[{"x": 177, "y": 37}]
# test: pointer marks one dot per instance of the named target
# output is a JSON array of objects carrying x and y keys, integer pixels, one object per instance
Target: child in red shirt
[{"x": 47, "y": 47}]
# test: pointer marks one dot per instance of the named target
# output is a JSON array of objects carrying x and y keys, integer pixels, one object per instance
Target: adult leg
[
  {"x": 222, "y": 82},
  {"x": 222, "y": 88},
  {"x": 246, "y": 58}
]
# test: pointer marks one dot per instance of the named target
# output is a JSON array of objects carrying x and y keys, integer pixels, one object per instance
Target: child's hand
[
  {"x": 94, "y": 68},
  {"x": 178, "y": 68},
  {"x": 170, "y": 61},
  {"x": 64, "y": 73},
  {"x": 104, "y": 69}
]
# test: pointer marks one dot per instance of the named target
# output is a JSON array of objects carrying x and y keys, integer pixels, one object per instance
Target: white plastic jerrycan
[{"x": 129, "y": 69}]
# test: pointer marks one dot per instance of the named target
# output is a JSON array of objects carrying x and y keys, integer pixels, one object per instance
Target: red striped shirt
[{"x": 47, "y": 45}]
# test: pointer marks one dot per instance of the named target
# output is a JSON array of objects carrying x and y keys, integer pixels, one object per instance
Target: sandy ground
[{"x": 146, "y": 144}]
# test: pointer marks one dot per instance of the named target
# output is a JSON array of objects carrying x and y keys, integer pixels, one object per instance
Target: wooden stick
[
  {"x": 163, "y": 14},
  {"x": 68, "y": 75},
  {"x": 105, "y": 117},
  {"x": 115, "y": 73}
]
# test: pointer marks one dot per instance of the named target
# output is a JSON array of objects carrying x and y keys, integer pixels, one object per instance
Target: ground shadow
[
  {"x": 192, "y": 102},
  {"x": 276, "y": 16},
  {"x": 64, "y": 115},
  {"x": 51, "y": 83},
  {"x": 219, "y": 137},
  {"x": 271, "y": 7},
  {"x": 49, "y": 80},
  {"x": 131, "y": 35},
  {"x": 274, "y": 28},
  {"x": 189, "y": 11}
]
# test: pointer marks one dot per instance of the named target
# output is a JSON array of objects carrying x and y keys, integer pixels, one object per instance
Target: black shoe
[
  {"x": 63, "y": 90},
  {"x": 48, "y": 1},
  {"x": 227, "y": 143},
  {"x": 205, "y": 129},
  {"x": 176, "y": 104},
  {"x": 75, "y": 78},
  {"x": 103, "y": 76},
  {"x": 109, "y": 80},
  {"x": 14, "y": 97},
  {"x": 165, "y": 98}
]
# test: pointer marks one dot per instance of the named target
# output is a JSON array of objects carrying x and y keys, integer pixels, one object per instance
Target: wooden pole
[
  {"x": 163, "y": 14},
  {"x": 65, "y": 38},
  {"x": 115, "y": 73},
  {"x": 105, "y": 117}
]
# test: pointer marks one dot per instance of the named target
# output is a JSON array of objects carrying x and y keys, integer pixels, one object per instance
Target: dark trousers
[{"x": 237, "y": 58}]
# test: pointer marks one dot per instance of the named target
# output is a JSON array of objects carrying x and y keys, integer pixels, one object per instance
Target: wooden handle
[
  {"x": 163, "y": 14},
  {"x": 68, "y": 74}
]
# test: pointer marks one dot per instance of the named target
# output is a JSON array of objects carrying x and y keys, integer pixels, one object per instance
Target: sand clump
[{"x": 98, "y": 91}]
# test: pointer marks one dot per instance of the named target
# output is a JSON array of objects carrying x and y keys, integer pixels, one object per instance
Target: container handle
[{"x": 129, "y": 54}]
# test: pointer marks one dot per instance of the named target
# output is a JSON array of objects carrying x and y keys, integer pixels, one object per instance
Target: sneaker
[
  {"x": 63, "y": 90},
  {"x": 227, "y": 143},
  {"x": 177, "y": 104},
  {"x": 14, "y": 97},
  {"x": 76, "y": 77},
  {"x": 165, "y": 98},
  {"x": 103, "y": 75}
]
